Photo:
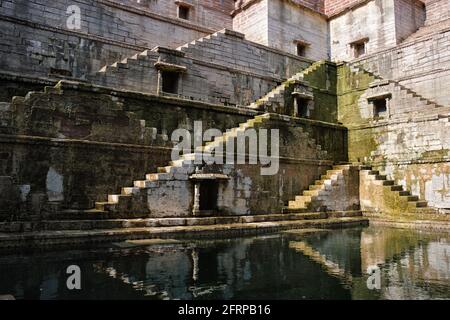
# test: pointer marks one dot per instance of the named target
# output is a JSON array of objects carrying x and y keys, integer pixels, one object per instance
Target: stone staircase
[
  {"x": 405, "y": 92},
  {"x": 139, "y": 58},
  {"x": 277, "y": 94},
  {"x": 202, "y": 43},
  {"x": 402, "y": 199},
  {"x": 429, "y": 29},
  {"x": 132, "y": 200},
  {"x": 315, "y": 198}
]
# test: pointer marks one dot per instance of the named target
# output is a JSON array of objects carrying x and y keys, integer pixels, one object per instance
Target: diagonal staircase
[
  {"x": 402, "y": 199},
  {"x": 277, "y": 94},
  {"x": 146, "y": 55},
  {"x": 406, "y": 93},
  {"x": 311, "y": 200},
  {"x": 132, "y": 199},
  {"x": 131, "y": 202}
]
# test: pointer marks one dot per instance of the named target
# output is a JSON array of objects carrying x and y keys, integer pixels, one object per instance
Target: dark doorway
[
  {"x": 302, "y": 107},
  {"x": 209, "y": 191},
  {"x": 170, "y": 82}
]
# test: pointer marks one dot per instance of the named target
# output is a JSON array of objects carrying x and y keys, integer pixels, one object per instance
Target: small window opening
[
  {"x": 302, "y": 107},
  {"x": 183, "y": 12},
  {"x": 359, "y": 48},
  {"x": 170, "y": 82},
  {"x": 379, "y": 107},
  {"x": 301, "y": 50},
  {"x": 209, "y": 191}
]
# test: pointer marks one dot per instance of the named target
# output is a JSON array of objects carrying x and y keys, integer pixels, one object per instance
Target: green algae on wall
[
  {"x": 350, "y": 87},
  {"x": 323, "y": 81}
]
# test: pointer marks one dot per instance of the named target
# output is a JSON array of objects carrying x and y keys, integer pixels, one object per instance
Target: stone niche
[{"x": 303, "y": 97}]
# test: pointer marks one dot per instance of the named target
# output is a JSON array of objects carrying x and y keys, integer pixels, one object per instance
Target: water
[{"x": 326, "y": 265}]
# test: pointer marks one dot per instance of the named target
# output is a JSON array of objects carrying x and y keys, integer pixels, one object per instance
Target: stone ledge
[{"x": 74, "y": 238}]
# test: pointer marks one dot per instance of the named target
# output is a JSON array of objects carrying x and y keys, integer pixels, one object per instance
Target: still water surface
[{"x": 326, "y": 265}]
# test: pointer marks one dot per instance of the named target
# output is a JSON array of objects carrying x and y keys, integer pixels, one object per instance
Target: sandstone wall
[
  {"x": 374, "y": 21},
  {"x": 35, "y": 36},
  {"x": 221, "y": 68},
  {"x": 254, "y": 22},
  {"x": 289, "y": 23},
  {"x": 437, "y": 10},
  {"x": 74, "y": 145},
  {"x": 422, "y": 65},
  {"x": 381, "y": 24},
  {"x": 279, "y": 24},
  {"x": 410, "y": 143},
  {"x": 210, "y": 13}
]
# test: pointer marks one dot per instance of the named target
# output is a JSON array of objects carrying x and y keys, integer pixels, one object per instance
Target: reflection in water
[{"x": 330, "y": 265}]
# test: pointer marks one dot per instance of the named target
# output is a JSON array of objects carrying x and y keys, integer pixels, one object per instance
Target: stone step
[
  {"x": 304, "y": 198},
  {"x": 385, "y": 182},
  {"x": 315, "y": 187},
  {"x": 410, "y": 198},
  {"x": 314, "y": 192},
  {"x": 418, "y": 204},
  {"x": 88, "y": 237},
  {"x": 103, "y": 224}
]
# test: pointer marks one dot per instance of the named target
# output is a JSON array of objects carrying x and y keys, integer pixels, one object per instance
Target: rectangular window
[
  {"x": 170, "y": 82},
  {"x": 301, "y": 50},
  {"x": 359, "y": 48},
  {"x": 183, "y": 12},
  {"x": 379, "y": 107}
]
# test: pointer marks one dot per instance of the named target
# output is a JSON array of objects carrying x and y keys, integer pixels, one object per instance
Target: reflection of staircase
[
  {"x": 277, "y": 94},
  {"x": 313, "y": 199}
]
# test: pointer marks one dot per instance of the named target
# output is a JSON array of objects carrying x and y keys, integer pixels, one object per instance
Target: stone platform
[{"x": 85, "y": 232}]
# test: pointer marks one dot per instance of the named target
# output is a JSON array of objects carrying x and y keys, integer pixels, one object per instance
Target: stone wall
[
  {"x": 253, "y": 21},
  {"x": 301, "y": 163},
  {"x": 409, "y": 17},
  {"x": 282, "y": 24},
  {"x": 413, "y": 66},
  {"x": 221, "y": 68},
  {"x": 410, "y": 143},
  {"x": 437, "y": 10},
  {"x": 74, "y": 144},
  {"x": 36, "y": 38},
  {"x": 210, "y": 13},
  {"x": 289, "y": 23},
  {"x": 380, "y": 24}
]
